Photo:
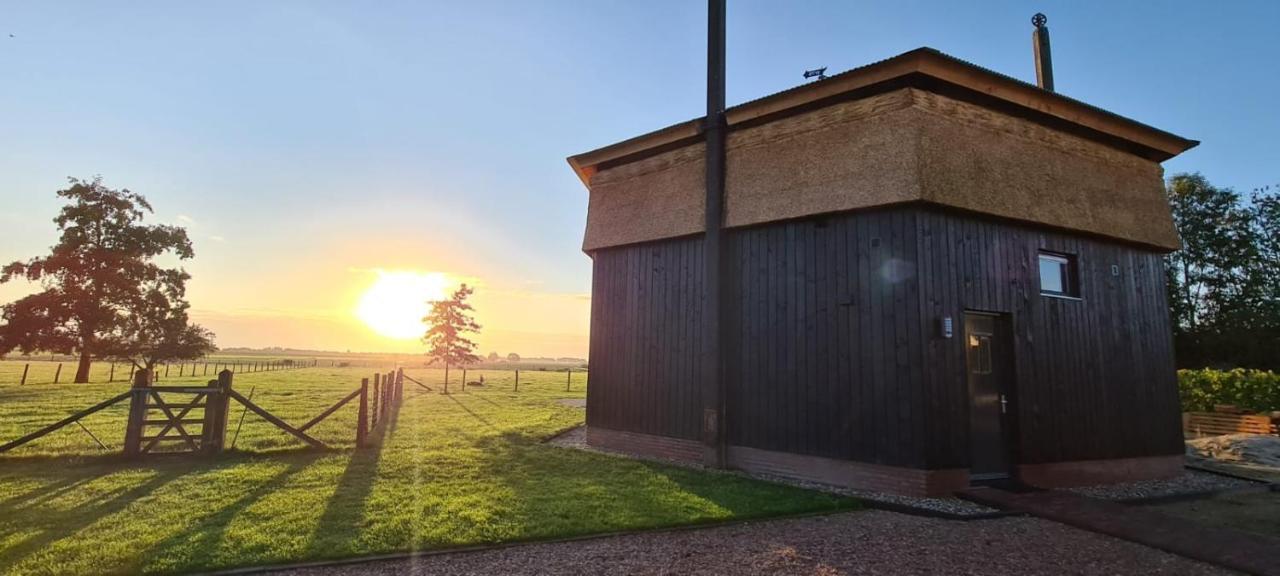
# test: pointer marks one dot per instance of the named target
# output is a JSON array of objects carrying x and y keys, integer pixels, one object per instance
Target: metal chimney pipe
[
  {"x": 1044, "y": 59},
  {"x": 713, "y": 386}
]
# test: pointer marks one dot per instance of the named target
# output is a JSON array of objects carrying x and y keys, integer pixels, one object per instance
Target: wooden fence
[
  {"x": 1202, "y": 424},
  {"x": 189, "y": 369},
  {"x": 194, "y": 419}
]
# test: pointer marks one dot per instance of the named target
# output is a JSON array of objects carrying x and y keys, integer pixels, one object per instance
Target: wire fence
[{"x": 30, "y": 371}]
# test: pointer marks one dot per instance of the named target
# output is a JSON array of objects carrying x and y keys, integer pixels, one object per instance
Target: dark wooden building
[{"x": 932, "y": 274}]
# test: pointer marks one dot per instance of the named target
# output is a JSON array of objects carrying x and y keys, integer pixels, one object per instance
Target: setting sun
[{"x": 396, "y": 302}]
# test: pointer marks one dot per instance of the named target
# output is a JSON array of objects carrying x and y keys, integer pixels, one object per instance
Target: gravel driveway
[{"x": 870, "y": 542}]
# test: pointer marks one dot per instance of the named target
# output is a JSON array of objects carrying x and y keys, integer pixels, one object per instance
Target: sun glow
[{"x": 396, "y": 302}]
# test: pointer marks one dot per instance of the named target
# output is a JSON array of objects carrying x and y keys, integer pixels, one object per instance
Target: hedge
[{"x": 1253, "y": 390}]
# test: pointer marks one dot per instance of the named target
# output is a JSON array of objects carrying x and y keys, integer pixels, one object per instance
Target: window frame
[{"x": 1070, "y": 274}]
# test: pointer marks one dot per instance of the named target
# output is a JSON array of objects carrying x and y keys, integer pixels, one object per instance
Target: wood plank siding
[
  {"x": 825, "y": 353},
  {"x": 646, "y": 313},
  {"x": 835, "y": 349},
  {"x": 1094, "y": 376}
]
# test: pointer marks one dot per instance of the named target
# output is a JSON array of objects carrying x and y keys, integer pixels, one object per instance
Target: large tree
[
  {"x": 447, "y": 324},
  {"x": 96, "y": 277},
  {"x": 157, "y": 328},
  {"x": 1223, "y": 283}
]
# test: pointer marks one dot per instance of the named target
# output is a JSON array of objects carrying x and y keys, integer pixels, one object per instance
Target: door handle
[{"x": 1004, "y": 404}]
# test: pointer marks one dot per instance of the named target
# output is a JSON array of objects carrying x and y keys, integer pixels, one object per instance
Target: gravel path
[
  {"x": 1189, "y": 482},
  {"x": 871, "y": 542}
]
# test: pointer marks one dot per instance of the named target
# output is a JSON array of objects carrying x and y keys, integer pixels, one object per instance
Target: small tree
[
  {"x": 100, "y": 267},
  {"x": 493, "y": 357},
  {"x": 513, "y": 357},
  {"x": 447, "y": 322}
]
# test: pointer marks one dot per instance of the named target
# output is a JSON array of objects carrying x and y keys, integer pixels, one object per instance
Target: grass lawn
[
  {"x": 454, "y": 470},
  {"x": 1259, "y": 512}
]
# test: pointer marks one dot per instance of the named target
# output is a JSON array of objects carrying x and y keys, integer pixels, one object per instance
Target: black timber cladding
[
  {"x": 835, "y": 350},
  {"x": 1094, "y": 376},
  {"x": 646, "y": 330}
]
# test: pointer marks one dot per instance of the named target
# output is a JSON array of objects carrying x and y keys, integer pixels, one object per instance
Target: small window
[
  {"x": 980, "y": 353},
  {"x": 1058, "y": 275}
]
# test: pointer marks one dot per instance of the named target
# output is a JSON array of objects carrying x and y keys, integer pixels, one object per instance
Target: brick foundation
[
  {"x": 843, "y": 473},
  {"x": 849, "y": 474},
  {"x": 664, "y": 447},
  {"x": 1086, "y": 472}
]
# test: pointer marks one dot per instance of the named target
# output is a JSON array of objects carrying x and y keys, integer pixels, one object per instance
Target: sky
[{"x": 313, "y": 148}]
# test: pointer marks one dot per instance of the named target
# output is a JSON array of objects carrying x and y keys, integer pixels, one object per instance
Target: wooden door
[{"x": 988, "y": 352}]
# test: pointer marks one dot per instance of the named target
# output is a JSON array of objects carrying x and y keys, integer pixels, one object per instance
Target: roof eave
[{"x": 921, "y": 62}]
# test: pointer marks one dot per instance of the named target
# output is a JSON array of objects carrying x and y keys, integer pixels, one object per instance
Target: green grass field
[{"x": 457, "y": 470}]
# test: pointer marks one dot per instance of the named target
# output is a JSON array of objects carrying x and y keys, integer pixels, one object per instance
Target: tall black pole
[{"x": 713, "y": 391}]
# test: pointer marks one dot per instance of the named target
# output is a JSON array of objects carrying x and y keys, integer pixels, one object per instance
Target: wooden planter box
[{"x": 1202, "y": 424}]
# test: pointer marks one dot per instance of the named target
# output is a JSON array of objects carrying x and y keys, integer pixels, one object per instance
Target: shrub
[{"x": 1254, "y": 390}]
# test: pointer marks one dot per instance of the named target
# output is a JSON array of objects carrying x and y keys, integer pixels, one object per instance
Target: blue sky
[{"x": 306, "y": 144}]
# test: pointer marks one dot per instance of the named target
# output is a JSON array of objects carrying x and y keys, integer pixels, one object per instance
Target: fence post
[
  {"x": 24, "y": 375},
  {"x": 208, "y": 428},
  {"x": 386, "y": 396},
  {"x": 166, "y": 371},
  {"x": 399, "y": 386},
  {"x": 137, "y": 412},
  {"x": 362, "y": 418},
  {"x": 464, "y": 379},
  {"x": 517, "y": 380},
  {"x": 377, "y": 381},
  {"x": 112, "y": 376},
  {"x": 568, "y": 374},
  {"x": 57, "y": 374}
]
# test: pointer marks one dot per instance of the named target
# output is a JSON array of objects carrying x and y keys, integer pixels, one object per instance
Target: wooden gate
[
  {"x": 177, "y": 419},
  {"x": 193, "y": 419}
]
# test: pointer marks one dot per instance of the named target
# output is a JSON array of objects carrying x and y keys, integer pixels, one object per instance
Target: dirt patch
[
  {"x": 572, "y": 402},
  {"x": 1257, "y": 512}
]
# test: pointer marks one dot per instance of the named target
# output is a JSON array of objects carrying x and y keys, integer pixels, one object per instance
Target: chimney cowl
[{"x": 1040, "y": 46}]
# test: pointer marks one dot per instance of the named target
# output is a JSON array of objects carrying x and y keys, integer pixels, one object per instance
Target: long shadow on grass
[
  {"x": 207, "y": 532},
  {"x": 478, "y": 417},
  {"x": 595, "y": 493},
  {"x": 58, "y": 524},
  {"x": 53, "y": 489},
  {"x": 344, "y": 513},
  {"x": 60, "y": 473},
  {"x": 491, "y": 402}
]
